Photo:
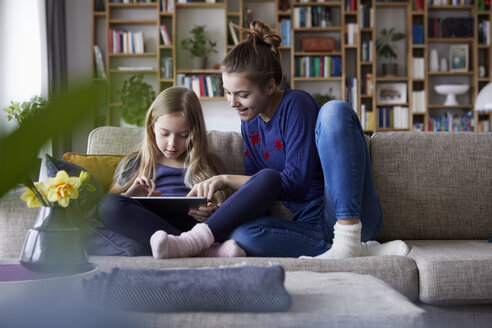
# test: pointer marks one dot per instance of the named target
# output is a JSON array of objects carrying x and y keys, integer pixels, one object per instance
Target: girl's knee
[
  {"x": 269, "y": 177},
  {"x": 108, "y": 204},
  {"x": 335, "y": 114}
]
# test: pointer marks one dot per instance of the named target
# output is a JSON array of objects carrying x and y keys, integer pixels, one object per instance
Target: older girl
[{"x": 316, "y": 161}]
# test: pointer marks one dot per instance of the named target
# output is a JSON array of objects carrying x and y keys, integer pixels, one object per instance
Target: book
[
  {"x": 98, "y": 59},
  {"x": 166, "y": 40},
  {"x": 232, "y": 31}
]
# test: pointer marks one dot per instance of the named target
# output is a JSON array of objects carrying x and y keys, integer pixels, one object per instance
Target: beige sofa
[{"x": 436, "y": 193}]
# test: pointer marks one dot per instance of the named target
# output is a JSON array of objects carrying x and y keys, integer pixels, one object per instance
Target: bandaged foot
[
  {"x": 395, "y": 247},
  {"x": 229, "y": 248},
  {"x": 187, "y": 244}
]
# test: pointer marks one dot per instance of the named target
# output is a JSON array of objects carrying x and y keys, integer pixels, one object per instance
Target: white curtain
[{"x": 23, "y": 57}]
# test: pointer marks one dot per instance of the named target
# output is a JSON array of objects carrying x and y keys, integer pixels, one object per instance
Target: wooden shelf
[
  {"x": 315, "y": 3},
  {"x": 133, "y": 21},
  {"x": 352, "y": 65},
  {"x": 450, "y": 40},
  {"x": 305, "y": 53},
  {"x": 146, "y": 54},
  {"x": 200, "y": 5},
  {"x": 199, "y": 71},
  {"x": 319, "y": 29},
  {"x": 437, "y": 106}
]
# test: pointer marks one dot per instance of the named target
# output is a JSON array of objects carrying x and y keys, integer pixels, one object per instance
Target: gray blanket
[{"x": 232, "y": 289}]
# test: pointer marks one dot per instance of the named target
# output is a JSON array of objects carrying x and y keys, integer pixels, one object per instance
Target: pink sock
[
  {"x": 228, "y": 248},
  {"x": 188, "y": 244}
]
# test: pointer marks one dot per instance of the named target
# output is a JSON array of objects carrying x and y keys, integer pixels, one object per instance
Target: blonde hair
[
  {"x": 199, "y": 162},
  {"x": 258, "y": 56}
]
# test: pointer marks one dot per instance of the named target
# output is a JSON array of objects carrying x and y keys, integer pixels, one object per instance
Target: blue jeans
[{"x": 349, "y": 193}]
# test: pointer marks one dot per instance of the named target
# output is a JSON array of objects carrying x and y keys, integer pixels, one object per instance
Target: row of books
[
  {"x": 418, "y": 68},
  {"x": 395, "y": 117},
  {"x": 366, "y": 118},
  {"x": 351, "y": 92},
  {"x": 368, "y": 85},
  {"x": 204, "y": 85},
  {"x": 186, "y": 1},
  {"x": 167, "y": 6},
  {"x": 352, "y": 32},
  {"x": 418, "y": 34},
  {"x": 131, "y": 1},
  {"x": 453, "y": 27},
  {"x": 166, "y": 40},
  {"x": 483, "y": 5},
  {"x": 312, "y": 16},
  {"x": 167, "y": 67},
  {"x": 350, "y": 5},
  {"x": 484, "y": 32},
  {"x": 318, "y": 66},
  {"x": 418, "y": 101},
  {"x": 128, "y": 42},
  {"x": 99, "y": 62},
  {"x": 418, "y": 5},
  {"x": 452, "y": 122},
  {"x": 366, "y": 50},
  {"x": 366, "y": 15},
  {"x": 285, "y": 32},
  {"x": 450, "y": 2}
]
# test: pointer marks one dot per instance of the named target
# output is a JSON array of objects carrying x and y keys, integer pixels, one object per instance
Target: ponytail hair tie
[{"x": 259, "y": 41}]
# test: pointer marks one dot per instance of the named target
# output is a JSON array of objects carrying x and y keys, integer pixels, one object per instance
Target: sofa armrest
[{"x": 15, "y": 219}]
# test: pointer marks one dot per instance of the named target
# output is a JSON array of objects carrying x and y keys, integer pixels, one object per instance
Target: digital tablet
[{"x": 172, "y": 207}]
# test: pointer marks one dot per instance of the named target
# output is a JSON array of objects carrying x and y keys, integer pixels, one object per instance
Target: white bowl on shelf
[{"x": 450, "y": 91}]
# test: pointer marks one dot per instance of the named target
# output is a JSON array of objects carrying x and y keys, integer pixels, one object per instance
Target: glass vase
[{"x": 54, "y": 243}]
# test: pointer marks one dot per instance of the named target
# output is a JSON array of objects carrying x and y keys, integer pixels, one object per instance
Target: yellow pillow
[{"x": 102, "y": 167}]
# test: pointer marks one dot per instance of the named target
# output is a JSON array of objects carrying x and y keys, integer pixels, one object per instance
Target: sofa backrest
[
  {"x": 434, "y": 185},
  {"x": 122, "y": 140}
]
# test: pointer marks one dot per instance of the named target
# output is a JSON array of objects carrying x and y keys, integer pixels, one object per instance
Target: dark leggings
[{"x": 128, "y": 217}]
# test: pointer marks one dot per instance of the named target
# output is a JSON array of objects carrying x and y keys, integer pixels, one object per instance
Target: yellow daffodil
[
  {"x": 30, "y": 197},
  {"x": 62, "y": 188}
]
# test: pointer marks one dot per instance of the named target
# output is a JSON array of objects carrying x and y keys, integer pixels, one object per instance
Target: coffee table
[{"x": 17, "y": 280}]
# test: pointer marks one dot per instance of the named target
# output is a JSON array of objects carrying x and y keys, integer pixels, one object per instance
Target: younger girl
[
  {"x": 315, "y": 160},
  {"x": 172, "y": 158}
]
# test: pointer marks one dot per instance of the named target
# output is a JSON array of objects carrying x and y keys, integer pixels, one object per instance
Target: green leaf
[{"x": 20, "y": 148}]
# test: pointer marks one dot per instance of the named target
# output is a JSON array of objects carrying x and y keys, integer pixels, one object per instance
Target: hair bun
[{"x": 262, "y": 32}]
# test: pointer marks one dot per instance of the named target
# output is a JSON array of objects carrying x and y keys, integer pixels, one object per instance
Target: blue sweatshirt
[{"x": 286, "y": 143}]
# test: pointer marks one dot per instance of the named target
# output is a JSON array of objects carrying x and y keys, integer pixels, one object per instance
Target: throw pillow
[
  {"x": 102, "y": 167},
  {"x": 100, "y": 240}
]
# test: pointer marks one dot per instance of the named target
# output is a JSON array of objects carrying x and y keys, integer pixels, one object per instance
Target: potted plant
[
  {"x": 136, "y": 96},
  {"x": 22, "y": 111},
  {"x": 199, "y": 45},
  {"x": 386, "y": 49}
]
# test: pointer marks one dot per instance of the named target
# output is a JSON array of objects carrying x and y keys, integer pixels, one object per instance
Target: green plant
[
  {"x": 321, "y": 99},
  {"x": 136, "y": 97},
  {"x": 385, "y": 43},
  {"x": 21, "y": 111},
  {"x": 199, "y": 45},
  {"x": 60, "y": 115}
]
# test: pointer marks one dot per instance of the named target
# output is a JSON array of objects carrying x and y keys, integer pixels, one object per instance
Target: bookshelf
[{"x": 355, "y": 72}]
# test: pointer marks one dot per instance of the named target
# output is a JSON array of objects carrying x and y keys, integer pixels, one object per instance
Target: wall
[{"x": 218, "y": 115}]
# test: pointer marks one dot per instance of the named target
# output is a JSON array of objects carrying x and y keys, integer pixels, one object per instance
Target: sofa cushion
[
  {"x": 337, "y": 299},
  {"x": 453, "y": 271},
  {"x": 15, "y": 219},
  {"x": 433, "y": 185},
  {"x": 397, "y": 271}
]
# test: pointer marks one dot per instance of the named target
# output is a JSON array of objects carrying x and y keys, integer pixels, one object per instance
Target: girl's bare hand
[
  {"x": 208, "y": 187},
  {"x": 142, "y": 187},
  {"x": 201, "y": 214}
]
